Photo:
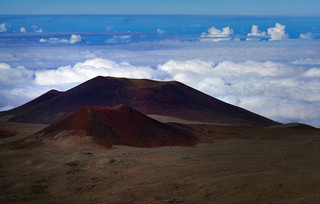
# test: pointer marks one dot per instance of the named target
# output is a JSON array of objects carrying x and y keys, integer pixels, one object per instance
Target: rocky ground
[{"x": 264, "y": 165}]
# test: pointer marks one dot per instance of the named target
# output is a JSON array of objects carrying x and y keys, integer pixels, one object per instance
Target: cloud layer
[
  {"x": 91, "y": 68},
  {"x": 279, "y": 80},
  {"x": 119, "y": 39},
  {"x": 11, "y": 77},
  {"x": 272, "y": 89}
]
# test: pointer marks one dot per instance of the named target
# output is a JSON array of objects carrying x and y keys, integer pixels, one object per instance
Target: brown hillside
[
  {"x": 149, "y": 97},
  {"x": 119, "y": 125}
]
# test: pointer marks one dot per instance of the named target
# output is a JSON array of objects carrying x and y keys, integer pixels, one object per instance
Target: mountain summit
[{"x": 171, "y": 98}]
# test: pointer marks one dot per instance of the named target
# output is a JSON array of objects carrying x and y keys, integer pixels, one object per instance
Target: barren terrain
[{"x": 230, "y": 165}]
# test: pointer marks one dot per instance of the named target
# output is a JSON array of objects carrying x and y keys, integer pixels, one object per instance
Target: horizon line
[{"x": 261, "y": 15}]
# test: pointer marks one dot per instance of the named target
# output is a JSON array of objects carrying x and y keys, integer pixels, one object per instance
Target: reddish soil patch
[{"x": 119, "y": 125}]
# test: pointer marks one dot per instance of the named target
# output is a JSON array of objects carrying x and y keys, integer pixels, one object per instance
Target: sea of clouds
[{"x": 263, "y": 71}]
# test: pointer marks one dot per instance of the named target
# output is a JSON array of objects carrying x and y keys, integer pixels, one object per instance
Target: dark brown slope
[
  {"x": 147, "y": 96},
  {"x": 24, "y": 113},
  {"x": 6, "y": 133},
  {"x": 119, "y": 125}
]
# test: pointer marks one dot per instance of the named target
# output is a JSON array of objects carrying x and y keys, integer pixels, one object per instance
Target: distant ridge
[
  {"x": 148, "y": 97},
  {"x": 118, "y": 125},
  {"x": 44, "y": 97}
]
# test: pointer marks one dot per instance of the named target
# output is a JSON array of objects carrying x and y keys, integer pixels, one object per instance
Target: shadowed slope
[
  {"x": 6, "y": 133},
  {"x": 24, "y": 112},
  {"x": 149, "y": 97},
  {"x": 119, "y": 125}
]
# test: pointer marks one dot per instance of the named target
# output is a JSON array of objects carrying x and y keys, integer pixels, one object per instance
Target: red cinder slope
[{"x": 119, "y": 125}]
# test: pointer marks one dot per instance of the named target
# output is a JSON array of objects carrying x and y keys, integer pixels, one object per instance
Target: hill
[
  {"x": 118, "y": 125},
  {"x": 171, "y": 98}
]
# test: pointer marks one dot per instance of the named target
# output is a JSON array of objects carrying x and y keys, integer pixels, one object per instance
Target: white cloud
[
  {"x": 13, "y": 97},
  {"x": 306, "y": 36},
  {"x": 11, "y": 77},
  {"x": 193, "y": 66},
  {"x": 4, "y": 108},
  {"x": 83, "y": 71},
  {"x": 35, "y": 29},
  {"x": 226, "y": 68},
  {"x": 284, "y": 109},
  {"x": 277, "y": 33},
  {"x": 109, "y": 28},
  {"x": 226, "y": 34},
  {"x": 272, "y": 89},
  {"x": 255, "y": 34},
  {"x": 23, "y": 30},
  {"x": 307, "y": 61},
  {"x": 4, "y": 66},
  {"x": 17, "y": 86},
  {"x": 3, "y": 27},
  {"x": 216, "y": 35},
  {"x": 57, "y": 40},
  {"x": 313, "y": 72},
  {"x": 251, "y": 68},
  {"x": 39, "y": 30},
  {"x": 119, "y": 39},
  {"x": 159, "y": 31},
  {"x": 73, "y": 39}
]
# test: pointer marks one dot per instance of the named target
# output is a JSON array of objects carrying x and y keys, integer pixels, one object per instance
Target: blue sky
[{"x": 270, "y": 7}]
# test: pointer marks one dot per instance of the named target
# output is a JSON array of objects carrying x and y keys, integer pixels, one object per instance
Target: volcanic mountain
[
  {"x": 118, "y": 125},
  {"x": 171, "y": 98}
]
